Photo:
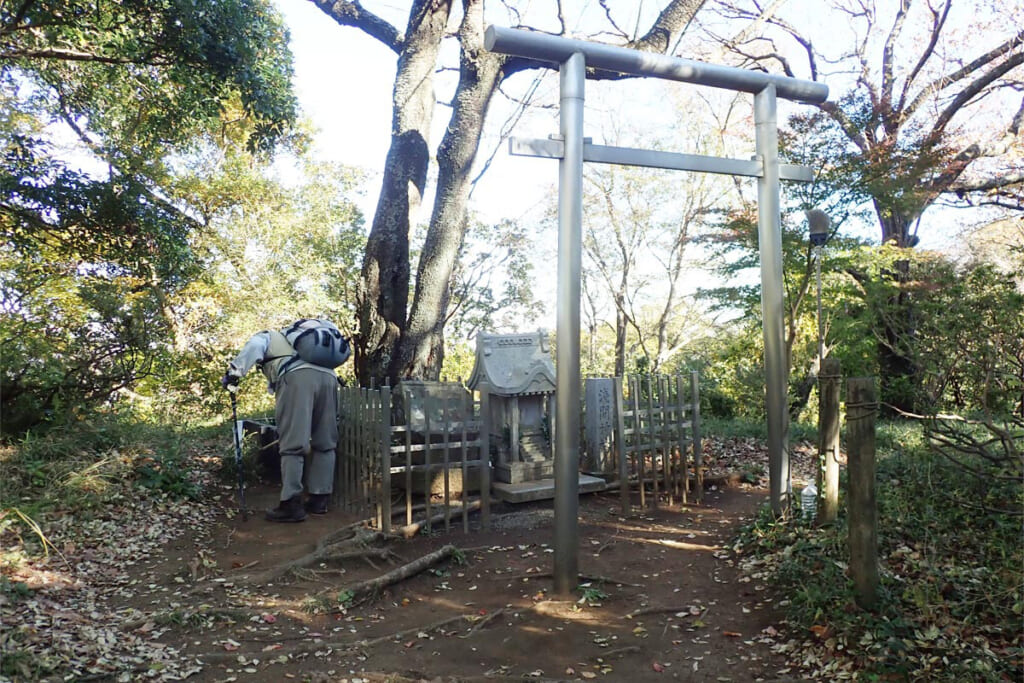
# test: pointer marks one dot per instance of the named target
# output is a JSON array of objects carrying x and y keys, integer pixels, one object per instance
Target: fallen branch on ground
[
  {"x": 483, "y": 622},
  {"x": 659, "y": 610},
  {"x": 347, "y": 645},
  {"x": 410, "y": 530},
  {"x": 593, "y": 578},
  {"x": 373, "y": 586},
  {"x": 324, "y": 552}
]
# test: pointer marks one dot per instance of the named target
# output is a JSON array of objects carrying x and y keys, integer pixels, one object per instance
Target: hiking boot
[
  {"x": 290, "y": 510},
  {"x": 317, "y": 503}
]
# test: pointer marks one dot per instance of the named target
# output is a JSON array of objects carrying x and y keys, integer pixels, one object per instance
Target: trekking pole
[{"x": 238, "y": 453}]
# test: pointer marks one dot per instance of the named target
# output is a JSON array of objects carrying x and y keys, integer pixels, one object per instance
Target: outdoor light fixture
[{"x": 819, "y": 223}]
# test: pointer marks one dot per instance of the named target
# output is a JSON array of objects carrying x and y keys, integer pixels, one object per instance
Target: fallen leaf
[
  {"x": 820, "y": 631},
  {"x": 731, "y": 634}
]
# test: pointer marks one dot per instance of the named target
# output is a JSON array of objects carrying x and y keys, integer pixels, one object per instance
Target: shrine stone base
[
  {"x": 520, "y": 472},
  {"x": 542, "y": 489}
]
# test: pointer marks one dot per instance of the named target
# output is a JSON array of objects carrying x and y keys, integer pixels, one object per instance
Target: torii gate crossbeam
[{"x": 573, "y": 57}]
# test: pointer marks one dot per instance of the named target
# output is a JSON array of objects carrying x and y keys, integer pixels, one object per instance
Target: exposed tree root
[{"x": 184, "y": 616}]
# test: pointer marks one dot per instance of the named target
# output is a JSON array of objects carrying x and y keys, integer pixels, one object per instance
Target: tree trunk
[
  {"x": 384, "y": 291},
  {"x": 898, "y": 373},
  {"x": 421, "y": 349},
  {"x": 397, "y": 341},
  {"x": 620, "y": 338}
]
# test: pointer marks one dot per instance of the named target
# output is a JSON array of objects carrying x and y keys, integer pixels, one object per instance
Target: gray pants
[{"x": 306, "y": 412}]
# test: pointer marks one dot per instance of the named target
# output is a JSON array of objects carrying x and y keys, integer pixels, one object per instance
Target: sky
[{"x": 344, "y": 78}]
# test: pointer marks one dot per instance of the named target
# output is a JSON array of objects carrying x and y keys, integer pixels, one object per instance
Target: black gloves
[{"x": 230, "y": 381}]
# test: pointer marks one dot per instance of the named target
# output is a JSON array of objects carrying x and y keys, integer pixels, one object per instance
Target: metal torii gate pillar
[{"x": 573, "y": 57}]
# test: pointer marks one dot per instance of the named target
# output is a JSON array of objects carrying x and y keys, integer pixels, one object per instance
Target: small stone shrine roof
[{"x": 514, "y": 364}]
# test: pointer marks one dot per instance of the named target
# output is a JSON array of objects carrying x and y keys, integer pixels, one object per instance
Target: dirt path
[{"x": 670, "y": 604}]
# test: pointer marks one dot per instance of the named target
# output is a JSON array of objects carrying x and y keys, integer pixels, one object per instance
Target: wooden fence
[
  {"x": 658, "y": 437},
  {"x": 437, "y": 453},
  {"x": 441, "y": 458}
]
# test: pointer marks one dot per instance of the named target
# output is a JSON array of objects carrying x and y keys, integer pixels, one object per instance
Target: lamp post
[{"x": 819, "y": 224}]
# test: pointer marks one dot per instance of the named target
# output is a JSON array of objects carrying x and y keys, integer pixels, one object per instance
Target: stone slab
[
  {"x": 523, "y": 472},
  {"x": 542, "y": 489}
]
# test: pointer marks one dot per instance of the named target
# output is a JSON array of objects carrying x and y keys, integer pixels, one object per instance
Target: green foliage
[
  {"x": 590, "y": 595},
  {"x": 492, "y": 283},
  {"x": 950, "y": 573},
  {"x": 148, "y": 73},
  {"x": 93, "y": 251}
]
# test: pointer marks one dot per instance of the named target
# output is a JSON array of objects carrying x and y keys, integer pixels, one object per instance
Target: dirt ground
[{"x": 662, "y": 599}]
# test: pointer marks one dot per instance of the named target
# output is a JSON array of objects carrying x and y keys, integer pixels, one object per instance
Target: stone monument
[{"x": 599, "y": 426}]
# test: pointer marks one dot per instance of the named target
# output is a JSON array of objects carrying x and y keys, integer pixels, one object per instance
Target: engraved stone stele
[
  {"x": 520, "y": 376},
  {"x": 599, "y": 426}
]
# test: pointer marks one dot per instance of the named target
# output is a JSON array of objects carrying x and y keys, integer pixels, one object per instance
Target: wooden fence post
[
  {"x": 861, "y": 409},
  {"x": 385, "y": 459},
  {"x": 621, "y": 452},
  {"x": 698, "y": 445},
  {"x": 828, "y": 441},
  {"x": 485, "y": 454}
]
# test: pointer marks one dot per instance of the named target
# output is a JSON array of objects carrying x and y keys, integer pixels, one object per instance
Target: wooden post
[
  {"x": 620, "y": 447},
  {"x": 652, "y": 444},
  {"x": 861, "y": 409},
  {"x": 446, "y": 421},
  {"x": 638, "y": 435},
  {"x": 485, "y": 454},
  {"x": 828, "y": 441},
  {"x": 466, "y": 411},
  {"x": 385, "y": 459},
  {"x": 683, "y": 471},
  {"x": 698, "y": 446}
]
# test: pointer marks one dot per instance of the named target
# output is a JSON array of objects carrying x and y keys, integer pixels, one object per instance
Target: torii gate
[{"x": 573, "y": 56}]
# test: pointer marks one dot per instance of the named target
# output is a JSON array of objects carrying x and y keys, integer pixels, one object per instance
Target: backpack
[{"x": 318, "y": 342}]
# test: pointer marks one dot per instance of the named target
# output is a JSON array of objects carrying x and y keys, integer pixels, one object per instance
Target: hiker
[{"x": 305, "y": 389}]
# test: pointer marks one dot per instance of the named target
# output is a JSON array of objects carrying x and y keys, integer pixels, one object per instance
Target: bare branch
[
  {"x": 971, "y": 91},
  {"x": 938, "y": 21},
  {"x": 611, "y": 20},
  {"x": 351, "y": 13},
  {"x": 944, "y": 82}
]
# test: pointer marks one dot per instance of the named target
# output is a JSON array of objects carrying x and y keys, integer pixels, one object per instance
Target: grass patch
[
  {"x": 80, "y": 467},
  {"x": 950, "y": 604}
]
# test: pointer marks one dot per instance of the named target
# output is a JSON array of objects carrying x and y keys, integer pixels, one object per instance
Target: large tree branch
[
  {"x": 971, "y": 91},
  {"x": 672, "y": 21},
  {"x": 963, "y": 72},
  {"x": 77, "y": 56},
  {"x": 987, "y": 184},
  {"x": 351, "y": 13},
  {"x": 888, "y": 57}
]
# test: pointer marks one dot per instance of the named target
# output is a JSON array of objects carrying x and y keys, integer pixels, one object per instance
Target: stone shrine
[{"x": 521, "y": 380}]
